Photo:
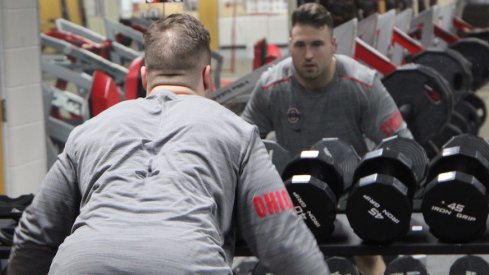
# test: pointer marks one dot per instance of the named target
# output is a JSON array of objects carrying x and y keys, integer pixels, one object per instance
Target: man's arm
[
  {"x": 47, "y": 221},
  {"x": 267, "y": 219},
  {"x": 382, "y": 117},
  {"x": 257, "y": 110}
]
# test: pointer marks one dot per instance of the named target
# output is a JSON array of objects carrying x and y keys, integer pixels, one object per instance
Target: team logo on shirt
[
  {"x": 293, "y": 115},
  {"x": 272, "y": 203}
]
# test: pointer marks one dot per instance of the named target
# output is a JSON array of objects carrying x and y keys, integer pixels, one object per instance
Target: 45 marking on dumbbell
[
  {"x": 378, "y": 215},
  {"x": 457, "y": 207}
]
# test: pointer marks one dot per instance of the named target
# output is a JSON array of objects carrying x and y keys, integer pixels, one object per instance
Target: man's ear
[
  {"x": 207, "y": 78},
  {"x": 144, "y": 78},
  {"x": 333, "y": 44}
]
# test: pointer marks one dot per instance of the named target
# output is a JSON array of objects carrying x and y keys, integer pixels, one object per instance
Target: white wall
[
  {"x": 251, "y": 28},
  {"x": 20, "y": 85}
]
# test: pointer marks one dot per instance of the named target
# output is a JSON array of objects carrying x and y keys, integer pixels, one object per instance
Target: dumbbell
[
  {"x": 405, "y": 265},
  {"x": 479, "y": 105},
  {"x": 450, "y": 130},
  {"x": 471, "y": 118},
  {"x": 476, "y": 52},
  {"x": 278, "y": 155},
  {"x": 316, "y": 179},
  {"x": 474, "y": 110},
  {"x": 455, "y": 205},
  {"x": 380, "y": 201},
  {"x": 341, "y": 265},
  {"x": 469, "y": 264},
  {"x": 12, "y": 208}
]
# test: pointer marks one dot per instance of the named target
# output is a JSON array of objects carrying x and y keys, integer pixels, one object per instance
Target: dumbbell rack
[{"x": 344, "y": 242}]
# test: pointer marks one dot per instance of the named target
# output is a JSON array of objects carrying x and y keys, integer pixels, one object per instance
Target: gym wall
[{"x": 23, "y": 142}]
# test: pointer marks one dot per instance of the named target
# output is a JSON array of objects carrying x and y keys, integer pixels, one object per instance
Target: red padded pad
[
  {"x": 133, "y": 79},
  {"x": 273, "y": 52},
  {"x": 265, "y": 53},
  {"x": 73, "y": 39},
  {"x": 104, "y": 94}
]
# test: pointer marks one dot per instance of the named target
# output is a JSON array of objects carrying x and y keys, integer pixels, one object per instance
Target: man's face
[{"x": 312, "y": 50}]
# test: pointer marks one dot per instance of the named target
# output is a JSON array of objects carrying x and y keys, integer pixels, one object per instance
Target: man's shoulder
[
  {"x": 280, "y": 73},
  {"x": 351, "y": 70},
  {"x": 211, "y": 111}
]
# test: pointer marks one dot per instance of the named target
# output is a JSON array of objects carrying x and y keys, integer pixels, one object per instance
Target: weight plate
[
  {"x": 431, "y": 149},
  {"x": 461, "y": 123},
  {"x": 451, "y": 65},
  {"x": 476, "y": 52},
  {"x": 479, "y": 105},
  {"x": 424, "y": 98},
  {"x": 448, "y": 132},
  {"x": 470, "y": 114}
]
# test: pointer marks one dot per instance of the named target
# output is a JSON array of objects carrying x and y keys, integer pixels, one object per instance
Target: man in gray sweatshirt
[
  {"x": 160, "y": 185},
  {"x": 317, "y": 93}
]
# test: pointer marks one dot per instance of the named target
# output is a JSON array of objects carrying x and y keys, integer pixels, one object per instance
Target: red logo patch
[{"x": 272, "y": 203}]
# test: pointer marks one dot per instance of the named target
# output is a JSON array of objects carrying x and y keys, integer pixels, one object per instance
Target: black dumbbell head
[
  {"x": 455, "y": 207},
  {"x": 378, "y": 208},
  {"x": 469, "y": 264},
  {"x": 432, "y": 150},
  {"x": 446, "y": 134},
  {"x": 462, "y": 158},
  {"x": 315, "y": 202},
  {"x": 318, "y": 165},
  {"x": 279, "y": 156},
  {"x": 341, "y": 265},
  {"x": 475, "y": 143},
  {"x": 343, "y": 154},
  {"x": 406, "y": 265},
  {"x": 410, "y": 149},
  {"x": 387, "y": 162}
]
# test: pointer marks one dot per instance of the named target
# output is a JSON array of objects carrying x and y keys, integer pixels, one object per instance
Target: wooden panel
[
  {"x": 49, "y": 10},
  {"x": 208, "y": 15},
  {"x": 74, "y": 10}
]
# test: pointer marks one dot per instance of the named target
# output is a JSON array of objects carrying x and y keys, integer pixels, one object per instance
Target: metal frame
[{"x": 120, "y": 53}]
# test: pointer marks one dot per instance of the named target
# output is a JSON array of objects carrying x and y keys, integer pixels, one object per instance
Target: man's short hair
[
  {"x": 312, "y": 14},
  {"x": 177, "y": 43}
]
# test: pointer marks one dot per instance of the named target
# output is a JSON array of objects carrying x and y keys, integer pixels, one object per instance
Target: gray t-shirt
[
  {"x": 159, "y": 186},
  {"x": 354, "y": 105}
]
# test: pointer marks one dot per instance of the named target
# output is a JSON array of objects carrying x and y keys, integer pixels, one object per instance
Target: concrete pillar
[{"x": 23, "y": 139}]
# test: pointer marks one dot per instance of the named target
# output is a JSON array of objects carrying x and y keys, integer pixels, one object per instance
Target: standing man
[
  {"x": 160, "y": 185},
  {"x": 316, "y": 93}
]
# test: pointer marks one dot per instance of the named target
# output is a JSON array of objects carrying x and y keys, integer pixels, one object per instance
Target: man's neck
[{"x": 178, "y": 90}]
